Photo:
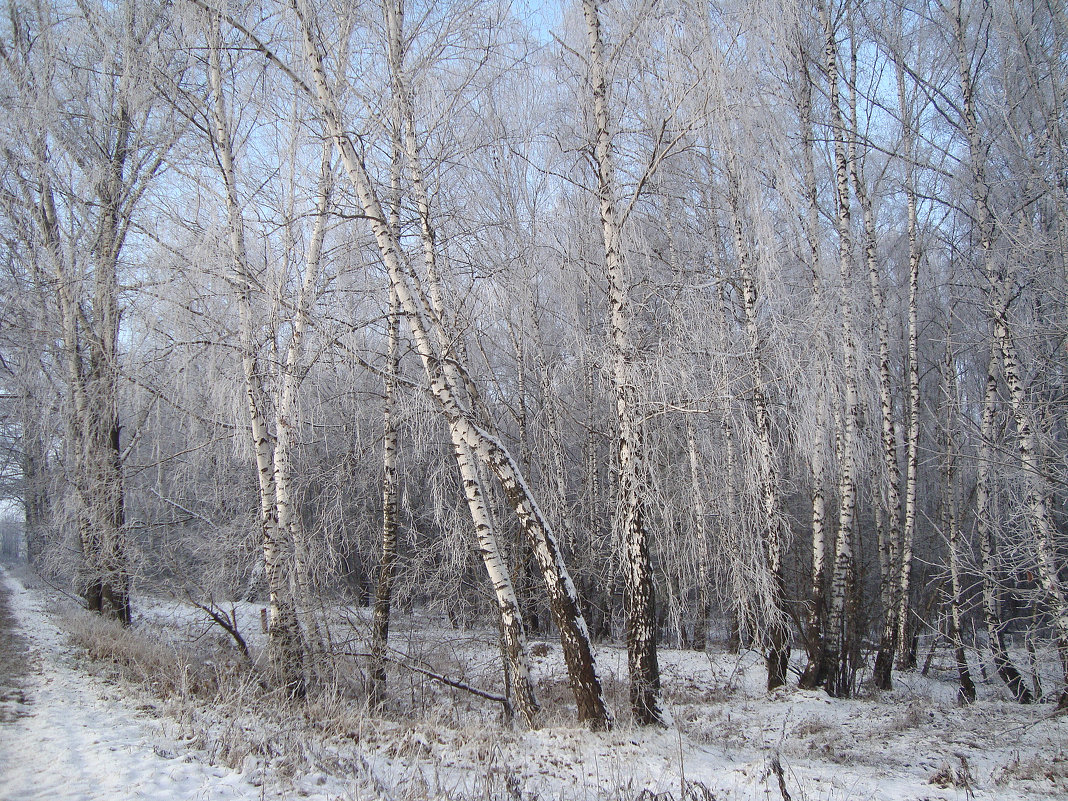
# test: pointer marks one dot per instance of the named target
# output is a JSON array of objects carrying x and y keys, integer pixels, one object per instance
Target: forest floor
[{"x": 74, "y": 728}]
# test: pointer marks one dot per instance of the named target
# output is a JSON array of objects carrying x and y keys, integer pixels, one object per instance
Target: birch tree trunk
[
  {"x": 287, "y": 413},
  {"x": 904, "y": 641},
  {"x": 493, "y": 556},
  {"x": 815, "y": 669},
  {"x": 951, "y": 525},
  {"x": 839, "y": 677},
  {"x": 390, "y": 495},
  {"x": 1006, "y": 670},
  {"x": 891, "y": 496},
  {"x": 390, "y": 516},
  {"x": 778, "y": 643},
  {"x": 646, "y": 699},
  {"x": 699, "y": 515},
  {"x": 730, "y": 512},
  {"x": 286, "y": 651}
]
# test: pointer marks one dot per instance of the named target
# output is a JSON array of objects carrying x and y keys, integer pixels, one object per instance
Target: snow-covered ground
[{"x": 83, "y": 736}]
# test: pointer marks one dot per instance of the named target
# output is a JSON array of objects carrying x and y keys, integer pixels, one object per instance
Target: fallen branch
[{"x": 505, "y": 703}]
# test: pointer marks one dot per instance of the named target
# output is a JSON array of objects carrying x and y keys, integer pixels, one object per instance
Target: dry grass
[
  {"x": 217, "y": 702},
  {"x": 172, "y": 671},
  {"x": 1035, "y": 769}
]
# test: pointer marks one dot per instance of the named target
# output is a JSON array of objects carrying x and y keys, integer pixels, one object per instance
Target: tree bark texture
[
  {"x": 951, "y": 526},
  {"x": 815, "y": 670},
  {"x": 771, "y": 524},
  {"x": 839, "y": 676},
  {"x": 1038, "y": 492},
  {"x": 286, "y": 648},
  {"x": 890, "y": 495}
]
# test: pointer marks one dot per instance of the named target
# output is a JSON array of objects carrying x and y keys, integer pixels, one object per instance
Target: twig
[{"x": 776, "y": 768}]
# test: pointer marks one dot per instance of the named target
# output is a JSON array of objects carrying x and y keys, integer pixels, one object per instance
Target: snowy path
[{"x": 72, "y": 740}]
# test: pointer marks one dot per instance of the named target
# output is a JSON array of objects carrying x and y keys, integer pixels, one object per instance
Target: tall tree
[
  {"x": 646, "y": 699},
  {"x": 287, "y": 643},
  {"x": 985, "y": 523},
  {"x": 1029, "y": 444},
  {"x": 839, "y": 675},
  {"x": 815, "y": 670},
  {"x": 889, "y": 492}
]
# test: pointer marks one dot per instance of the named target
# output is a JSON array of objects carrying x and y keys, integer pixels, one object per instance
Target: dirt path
[
  {"x": 14, "y": 658},
  {"x": 68, "y": 736}
]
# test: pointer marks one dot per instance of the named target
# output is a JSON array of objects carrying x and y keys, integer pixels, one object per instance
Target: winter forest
[{"x": 657, "y": 323}]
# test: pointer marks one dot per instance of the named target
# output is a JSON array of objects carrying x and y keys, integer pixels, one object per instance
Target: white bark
[
  {"x": 390, "y": 505},
  {"x": 512, "y": 627},
  {"x": 906, "y": 652},
  {"x": 390, "y": 491},
  {"x": 287, "y": 412},
  {"x": 286, "y": 641},
  {"x": 815, "y": 669},
  {"x": 772, "y": 522},
  {"x": 890, "y": 542},
  {"x": 1029, "y": 446},
  {"x": 839, "y": 679},
  {"x": 985, "y": 524},
  {"x": 699, "y": 514},
  {"x": 951, "y": 525}
]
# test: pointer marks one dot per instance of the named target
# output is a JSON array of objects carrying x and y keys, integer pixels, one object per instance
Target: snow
[{"x": 87, "y": 737}]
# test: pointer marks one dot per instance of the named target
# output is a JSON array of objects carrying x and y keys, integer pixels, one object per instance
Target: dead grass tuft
[
  {"x": 911, "y": 717},
  {"x": 948, "y": 775}
]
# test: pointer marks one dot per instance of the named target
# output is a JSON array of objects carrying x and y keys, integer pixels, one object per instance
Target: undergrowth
[
  {"x": 217, "y": 703},
  {"x": 435, "y": 742}
]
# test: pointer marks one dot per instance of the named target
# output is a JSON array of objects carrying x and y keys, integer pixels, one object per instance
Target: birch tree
[
  {"x": 985, "y": 524},
  {"x": 772, "y": 529},
  {"x": 285, "y": 551},
  {"x": 1029, "y": 445},
  {"x": 839, "y": 678},
  {"x": 950, "y": 520},
  {"x": 814, "y": 673},
  {"x": 645, "y": 694},
  {"x": 891, "y": 547}
]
